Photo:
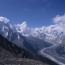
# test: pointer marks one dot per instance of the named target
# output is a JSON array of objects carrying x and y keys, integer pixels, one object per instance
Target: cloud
[
  {"x": 58, "y": 27},
  {"x": 59, "y": 23},
  {"x": 59, "y": 19},
  {"x": 22, "y": 28},
  {"x": 3, "y": 19}
]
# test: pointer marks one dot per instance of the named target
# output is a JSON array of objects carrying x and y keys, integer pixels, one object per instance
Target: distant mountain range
[
  {"x": 53, "y": 33},
  {"x": 29, "y": 43},
  {"x": 47, "y": 34}
]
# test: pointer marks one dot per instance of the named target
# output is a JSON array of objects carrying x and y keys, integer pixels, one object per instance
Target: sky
[{"x": 36, "y": 13}]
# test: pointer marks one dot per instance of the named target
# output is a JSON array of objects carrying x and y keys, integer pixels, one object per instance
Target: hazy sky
[{"x": 35, "y": 12}]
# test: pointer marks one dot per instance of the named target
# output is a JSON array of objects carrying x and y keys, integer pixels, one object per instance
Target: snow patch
[
  {"x": 18, "y": 37},
  {"x": 6, "y": 34}
]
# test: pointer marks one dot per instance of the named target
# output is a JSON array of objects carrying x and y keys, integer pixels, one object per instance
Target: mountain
[
  {"x": 60, "y": 50},
  {"x": 5, "y": 30},
  {"x": 13, "y": 36},
  {"x": 23, "y": 42},
  {"x": 52, "y": 33},
  {"x": 38, "y": 43},
  {"x": 14, "y": 49},
  {"x": 12, "y": 54}
]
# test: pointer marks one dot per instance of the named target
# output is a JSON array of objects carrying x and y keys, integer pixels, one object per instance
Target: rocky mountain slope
[
  {"x": 14, "y": 49},
  {"x": 12, "y": 54}
]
